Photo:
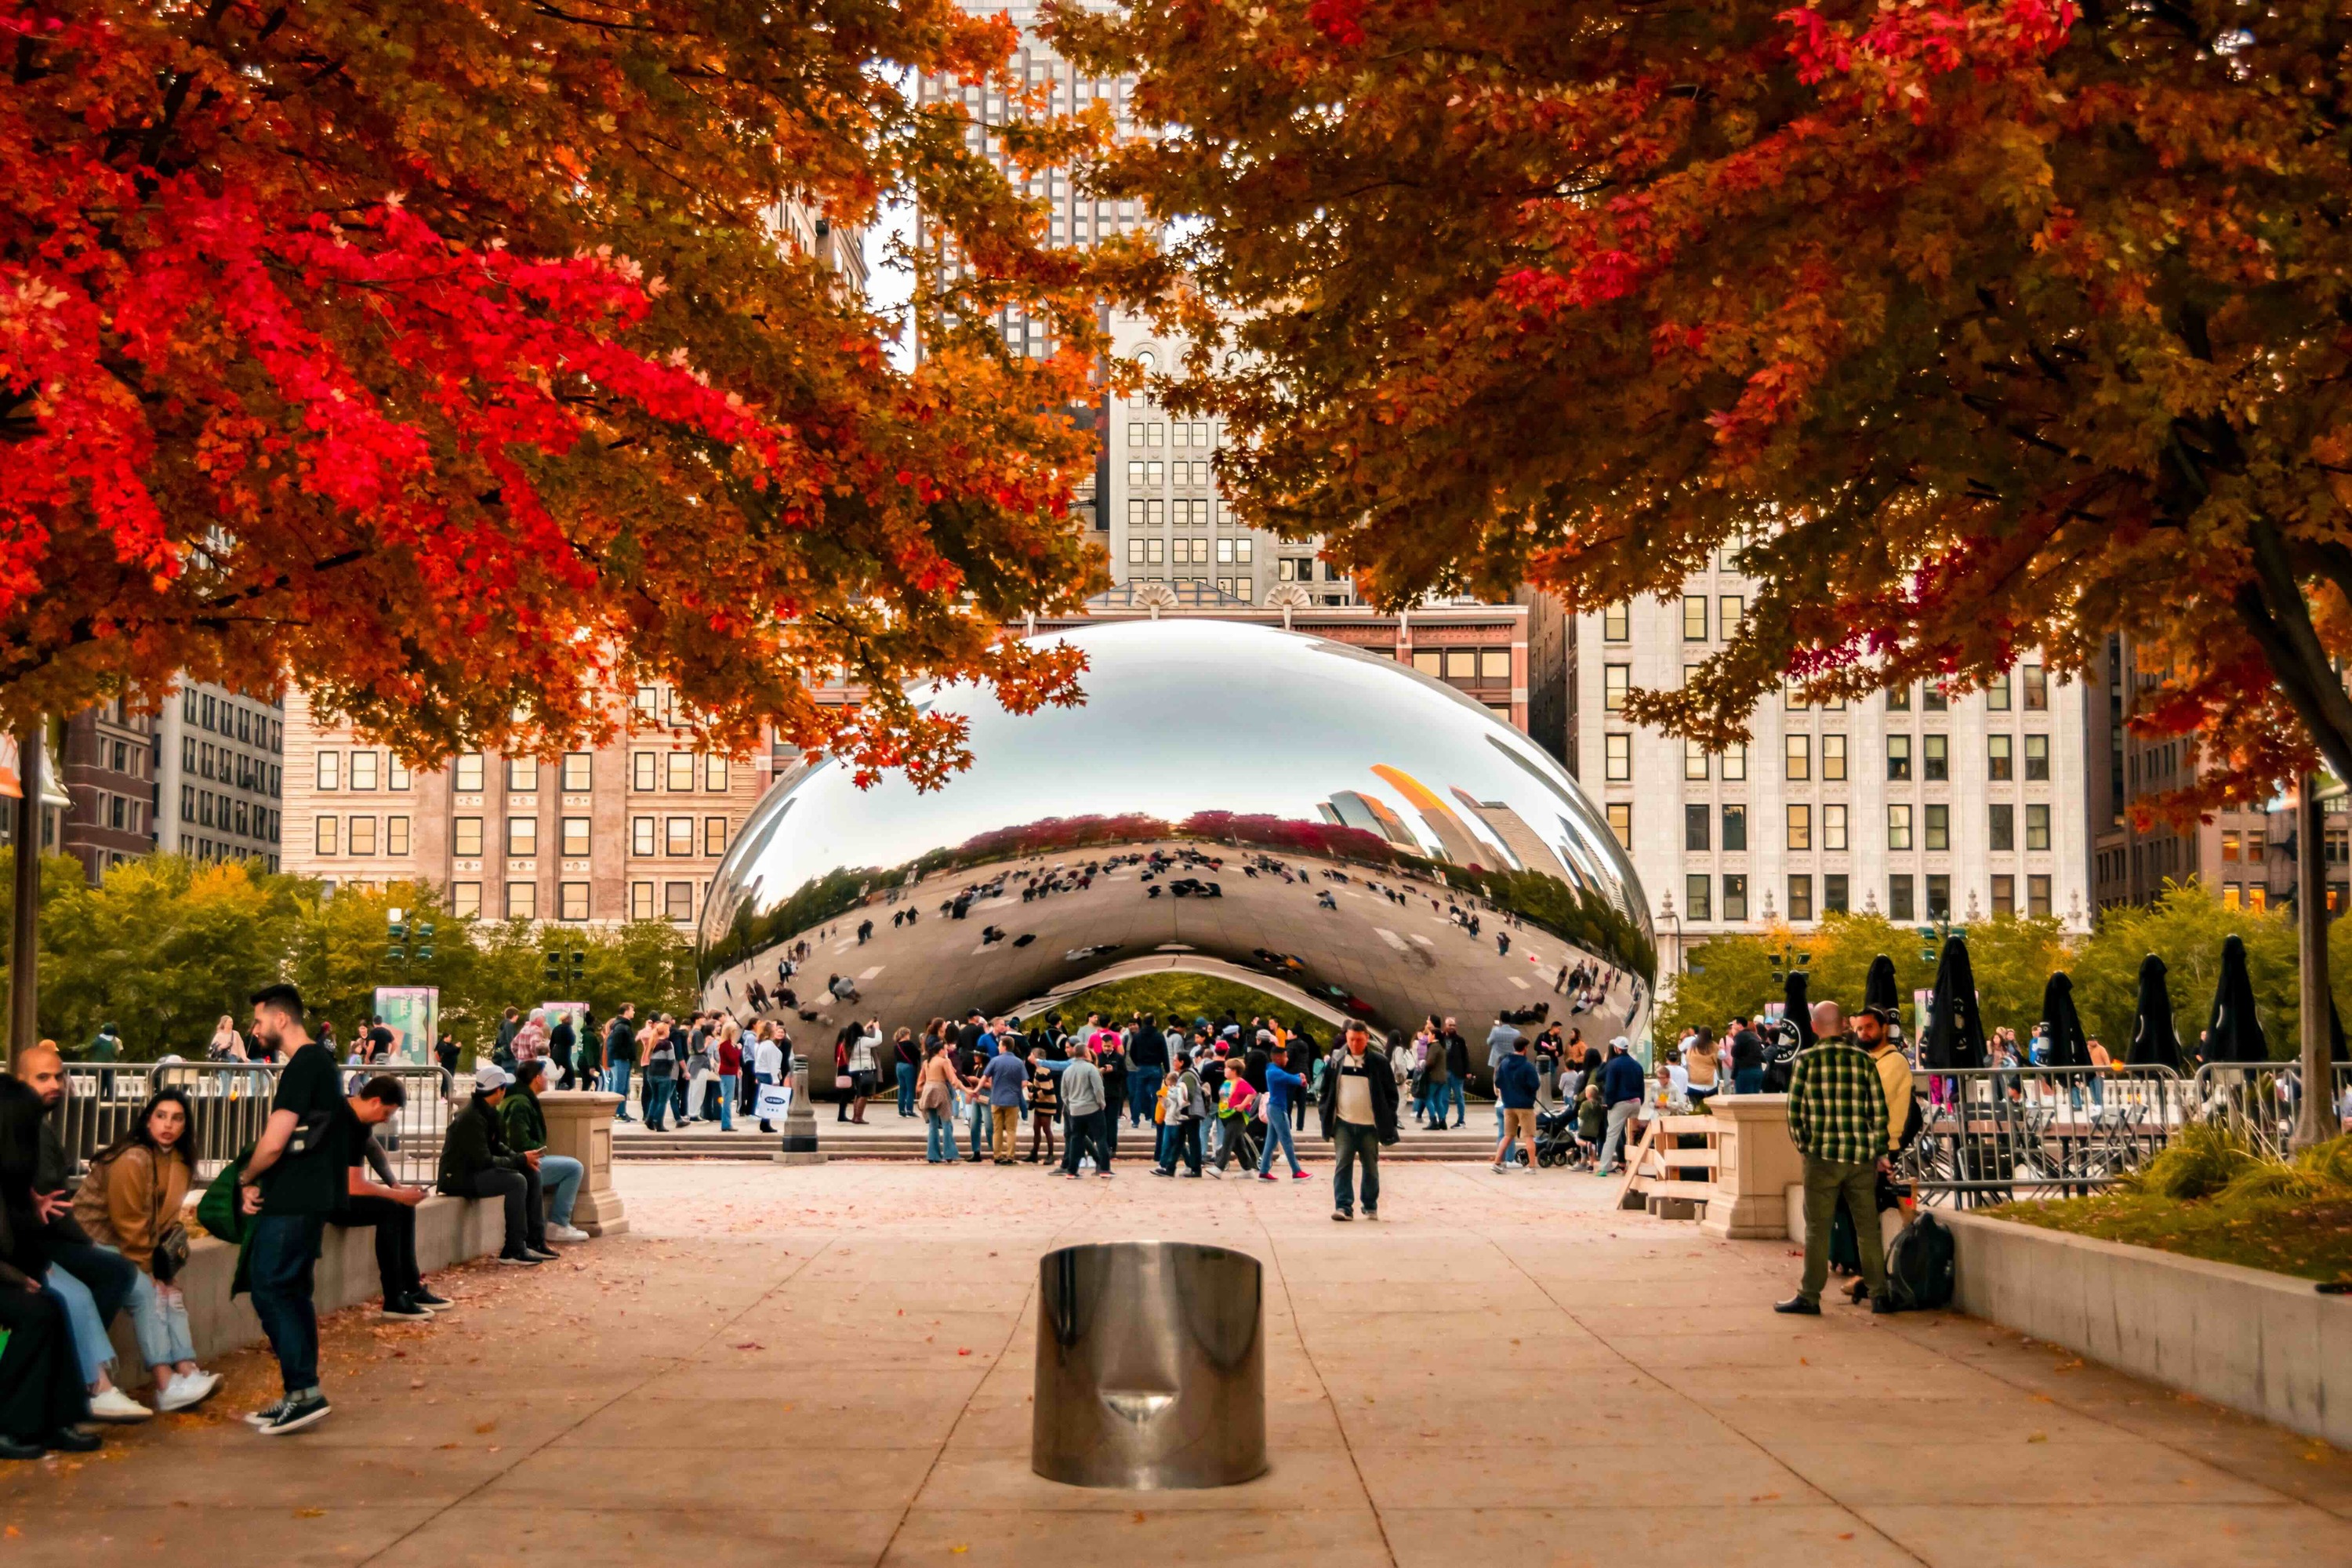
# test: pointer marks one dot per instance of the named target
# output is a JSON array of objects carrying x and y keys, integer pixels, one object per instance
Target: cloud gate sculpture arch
[{"x": 1326, "y": 824}]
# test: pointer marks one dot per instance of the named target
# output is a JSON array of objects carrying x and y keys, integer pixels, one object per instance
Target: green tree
[{"x": 2186, "y": 928}]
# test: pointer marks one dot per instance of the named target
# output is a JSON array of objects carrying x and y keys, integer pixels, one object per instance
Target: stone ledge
[{"x": 2267, "y": 1344}]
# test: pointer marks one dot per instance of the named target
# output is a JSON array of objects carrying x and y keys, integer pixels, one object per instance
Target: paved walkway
[{"x": 833, "y": 1365}]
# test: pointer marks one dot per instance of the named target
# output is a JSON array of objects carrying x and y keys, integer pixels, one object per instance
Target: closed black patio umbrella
[
  {"x": 2069, "y": 1047},
  {"x": 2235, "y": 1034},
  {"x": 2154, "y": 1042},
  {"x": 1956, "y": 1038},
  {"x": 1801, "y": 1008},
  {"x": 1878, "y": 986},
  {"x": 2336, "y": 1051},
  {"x": 1792, "y": 1034}
]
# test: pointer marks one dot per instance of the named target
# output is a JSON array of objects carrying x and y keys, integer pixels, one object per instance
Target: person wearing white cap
[{"x": 476, "y": 1163}]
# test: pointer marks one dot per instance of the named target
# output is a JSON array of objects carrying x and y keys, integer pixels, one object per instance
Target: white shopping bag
[{"x": 775, "y": 1099}]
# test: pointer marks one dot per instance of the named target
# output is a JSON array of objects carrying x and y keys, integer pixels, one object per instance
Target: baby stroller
[{"x": 1556, "y": 1136}]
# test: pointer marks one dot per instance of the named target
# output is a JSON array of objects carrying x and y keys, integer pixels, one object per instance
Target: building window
[
  {"x": 678, "y": 836},
  {"x": 1939, "y": 828},
  {"x": 1899, "y": 894},
  {"x": 1898, "y": 758},
  {"x": 2037, "y": 688},
  {"x": 2037, "y": 759},
  {"x": 1734, "y": 896},
  {"x": 1734, "y": 762},
  {"x": 2037, "y": 827},
  {"x": 466, "y": 837},
  {"x": 641, "y": 836},
  {"x": 678, "y": 901},
  {"x": 1800, "y": 826},
  {"x": 1616, "y": 624},
  {"x": 2001, "y": 820},
  {"x": 1833, "y": 894},
  {"x": 1728, "y": 611},
  {"x": 522, "y": 835},
  {"x": 1695, "y": 762},
  {"x": 1462, "y": 664},
  {"x": 645, "y": 770},
  {"x": 1734, "y": 829},
  {"x": 395, "y": 835},
  {"x": 1619, "y": 755},
  {"x": 2004, "y": 895},
  {"x": 363, "y": 769},
  {"x": 1696, "y": 828},
  {"x": 2037, "y": 896},
  {"x": 467, "y": 775},
  {"x": 1799, "y": 761},
  {"x": 1693, "y": 617},
  {"x": 1833, "y": 758},
  {"x": 578, "y": 771},
  {"x": 1939, "y": 897},
  {"x": 714, "y": 835},
  {"x": 1800, "y": 897},
  {"x": 1621, "y": 823},
  {"x": 1430, "y": 662},
  {"x": 1997, "y": 693},
  {"x": 362, "y": 835},
  {"x": 678, "y": 772},
  {"x": 522, "y": 774},
  {"x": 330, "y": 770},
  {"x": 1936, "y": 761},
  {"x": 329, "y": 835},
  {"x": 572, "y": 900},
  {"x": 1698, "y": 898},
  {"x": 1494, "y": 664},
  {"x": 1898, "y": 828},
  {"x": 187, "y": 803},
  {"x": 1898, "y": 698},
  {"x": 1931, "y": 696},
  {"x": 397, "y": 775},
  {"x": 1834, "y": 827},
  {"x": 575, "y": 836},
  {"x": 1616, "y": 680},
  {"x": 641, "y": 900},
  {"x": 714, "y": 773},
  {"x": 1999, "y": 764},
  {"x": 522, "y": 900}
]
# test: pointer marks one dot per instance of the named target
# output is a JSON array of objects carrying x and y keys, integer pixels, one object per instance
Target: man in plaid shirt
[{"x": 1837, "y": 1114}]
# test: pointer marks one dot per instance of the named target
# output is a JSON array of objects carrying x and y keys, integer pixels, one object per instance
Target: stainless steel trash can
[{"x": 1150, "y": 1366}]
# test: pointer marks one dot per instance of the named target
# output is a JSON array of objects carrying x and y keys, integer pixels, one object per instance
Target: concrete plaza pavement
[{"x": 833, "y": 1365}]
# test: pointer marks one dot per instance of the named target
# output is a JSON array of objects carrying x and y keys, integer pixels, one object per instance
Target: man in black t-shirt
[
  {"x": 388, "y": 1207},
  {"x": 295, "y": 1177}
]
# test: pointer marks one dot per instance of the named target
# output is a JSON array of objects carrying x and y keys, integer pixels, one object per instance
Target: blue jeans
[
  {"x": 728, "y": 1084},
  {"x": 91, "y": 1347},
  {"x": 1748, "y": 1080},
  {"x": 905, "y": 1088},
  {"x": 161, "y": 1323},
  {"x": 1184, "y": 1140},
  {"x": 559, "y": 1176},
  {"x": 1277, "y": 1131},
  {"x": 279, "y": 1259},
  {"x": 1142, "y": 1090},
  {"x": 938, "y": 1139},
  {"x": 616, "y": 1081},
  {"x": 1350, "y": 1143},
  {"x": 978, "y": 1119},
  {"x": 656, "y": 1101},
  {"x": 1453, "y": 1088},
  {"x": 92, "y": 1283}
]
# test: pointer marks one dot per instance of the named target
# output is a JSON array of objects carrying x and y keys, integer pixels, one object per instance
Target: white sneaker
[
  {"x": 116, "y": 1405},
  {"x": 566, "y": 1233},
  {"x": 186, "y": 1389}
]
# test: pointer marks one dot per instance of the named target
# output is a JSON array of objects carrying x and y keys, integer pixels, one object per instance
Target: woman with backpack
[{"x": 130, "y": 1204}]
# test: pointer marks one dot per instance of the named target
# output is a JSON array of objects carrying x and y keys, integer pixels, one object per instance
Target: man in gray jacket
[{"x": 1085, "y": 1110}]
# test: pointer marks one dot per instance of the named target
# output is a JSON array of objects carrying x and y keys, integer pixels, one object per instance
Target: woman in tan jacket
[{"x": 131, "y": 1197}]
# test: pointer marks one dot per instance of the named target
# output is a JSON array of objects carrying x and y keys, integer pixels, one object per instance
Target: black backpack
[{"x": 1920, "y": 1266}]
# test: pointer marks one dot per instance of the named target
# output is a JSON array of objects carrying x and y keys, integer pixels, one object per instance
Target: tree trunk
[
  {"x": 24, "y": 944},
  {"x": 2316, "y": 1120}
]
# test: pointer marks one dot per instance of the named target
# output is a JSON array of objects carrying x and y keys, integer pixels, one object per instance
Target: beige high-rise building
[{"x": 630, "y": 831}]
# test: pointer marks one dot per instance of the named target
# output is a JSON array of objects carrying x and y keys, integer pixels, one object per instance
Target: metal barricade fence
[
  {"x": 231, "y": 1106},
  {"x": 1989, "y": 1135},
  {"x": 2259, "y": 1102}
]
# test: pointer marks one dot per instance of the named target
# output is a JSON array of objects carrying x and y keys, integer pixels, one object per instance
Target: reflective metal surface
[
  {"x": 1319, "y": 822},
  {"x": 1150, "y": 1366}
]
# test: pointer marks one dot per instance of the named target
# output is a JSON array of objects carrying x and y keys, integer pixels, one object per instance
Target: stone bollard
[
  {"x": 799, "y": 1147},
  {"x": 1756, "y": 1161},
  {"x": 580, "y": 1124}
]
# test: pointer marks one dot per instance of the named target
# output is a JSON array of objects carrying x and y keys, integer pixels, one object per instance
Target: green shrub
[{"x": 2198, "y": 1163}]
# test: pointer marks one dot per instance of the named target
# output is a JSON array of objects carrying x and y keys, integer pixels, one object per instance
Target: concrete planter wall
[{"x": 2266, "y": 1344}]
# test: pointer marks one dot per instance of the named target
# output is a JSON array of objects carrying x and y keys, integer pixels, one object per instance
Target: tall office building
[
  {"x": 109, "y": 757},
  {"x": 1914, "y": 804},
  {"x": 220, "y": 775}
]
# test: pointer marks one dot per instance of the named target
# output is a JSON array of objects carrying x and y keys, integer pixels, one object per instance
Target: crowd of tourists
[{"x": 76, "y": 1257}]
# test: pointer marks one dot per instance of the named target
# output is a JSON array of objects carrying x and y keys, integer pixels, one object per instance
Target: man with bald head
[
  {"x": 1837, "y": 1115},
  {"x": 90, "y": 1281}
]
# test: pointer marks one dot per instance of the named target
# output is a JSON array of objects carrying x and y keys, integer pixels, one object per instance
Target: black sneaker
[
  {"x": 21, "y": 1448},
  {"x": 1342, "y": 1216},
  {"x": 539, "y": 1252},
  {"x": 404, "y": 1308},
  {"x": 71, "y": 1440},
  {"x": 519, "y": 1259},
  {"x": 266, "y": 1415},
  {"x": 430, "y": 1302},
  {"x": 297, "y": 1414}
]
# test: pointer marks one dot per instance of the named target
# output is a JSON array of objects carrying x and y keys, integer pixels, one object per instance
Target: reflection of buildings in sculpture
[
  {"x": 1456, "y": 841},
  {"x": 1347, "y": 808},
  {"x": 1519, "y": 840}
]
